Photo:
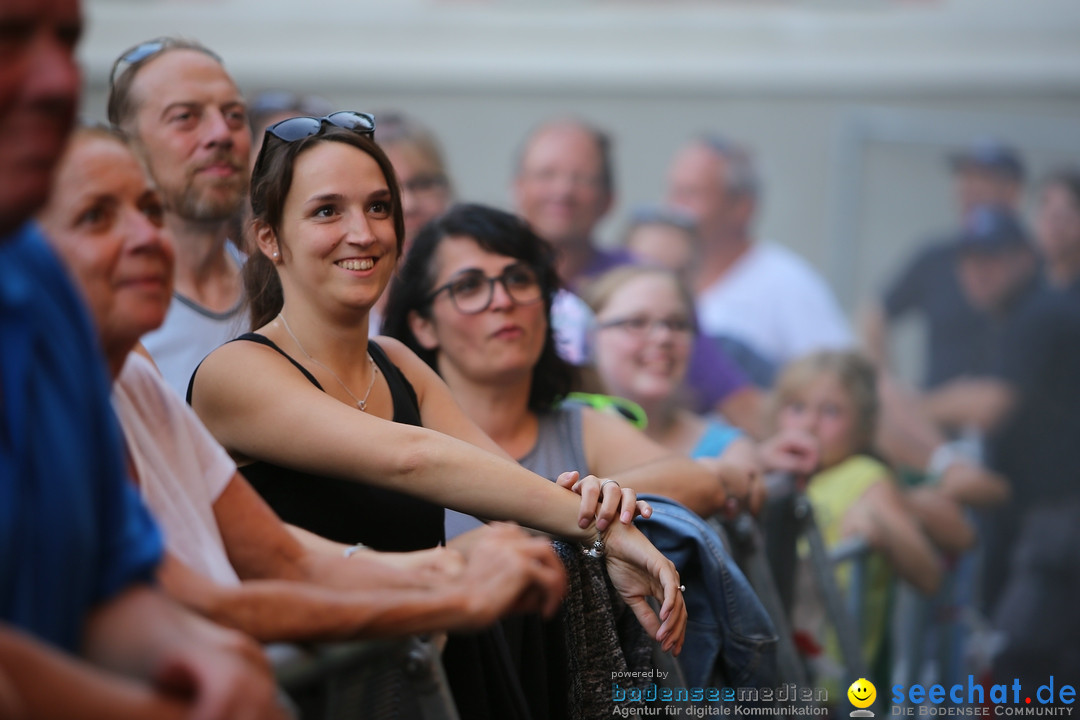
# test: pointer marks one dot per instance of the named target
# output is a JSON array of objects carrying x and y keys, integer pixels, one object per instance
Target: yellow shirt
[{"x": 831, "y": 493}]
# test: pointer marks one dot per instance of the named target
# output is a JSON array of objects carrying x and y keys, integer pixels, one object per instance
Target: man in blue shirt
[{"x": 77, "y": 549}]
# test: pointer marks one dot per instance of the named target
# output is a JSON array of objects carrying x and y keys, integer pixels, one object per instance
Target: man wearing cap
[
  {"x": 187, "y": 121},
  {"x": 1027, "y": 405},
  {"x": 997, "y": 274},
  {"x": 985, "y": 173}
]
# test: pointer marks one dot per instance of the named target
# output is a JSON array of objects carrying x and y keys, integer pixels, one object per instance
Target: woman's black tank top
[{"x": 344, "y": 510}]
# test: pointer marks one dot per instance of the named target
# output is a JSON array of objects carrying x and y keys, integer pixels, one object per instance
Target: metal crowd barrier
[
  {"x": 943, "y": 639},
  {"x": 375, "y": 680},
  {"x": 788, "y": 517},
  {"x": 940, "y": 639},
  {"x": 747, "y": 546}
]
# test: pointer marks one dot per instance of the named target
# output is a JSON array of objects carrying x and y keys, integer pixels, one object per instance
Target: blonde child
[{"x": 831, "y": 395}]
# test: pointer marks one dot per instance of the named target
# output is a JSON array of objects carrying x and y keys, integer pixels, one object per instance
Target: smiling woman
[
  {"x": 328, "y": 225},
  {"x": 103, "y": 209}
]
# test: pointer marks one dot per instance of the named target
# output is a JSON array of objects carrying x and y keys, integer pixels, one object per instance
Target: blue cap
[
  {"x": 992, "y": 155},
  {"x": 991, "y": 229}
]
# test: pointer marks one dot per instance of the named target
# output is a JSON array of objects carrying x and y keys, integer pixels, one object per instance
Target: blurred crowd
[{"x": 265, "y": 376}]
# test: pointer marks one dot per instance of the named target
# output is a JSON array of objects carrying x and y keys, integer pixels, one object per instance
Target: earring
[{"x": 275, "y": 253}]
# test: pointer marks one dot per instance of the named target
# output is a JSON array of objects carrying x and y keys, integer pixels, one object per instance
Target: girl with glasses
[
  {"x": 360, "y": 441},
  {"x": 642, "y": 344},
  {"x": 426, "y": 190}
]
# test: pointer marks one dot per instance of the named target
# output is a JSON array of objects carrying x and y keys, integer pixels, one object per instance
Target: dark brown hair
[
  {"x": 497, "y": 232},
  {"x": 270, "y": 184}
]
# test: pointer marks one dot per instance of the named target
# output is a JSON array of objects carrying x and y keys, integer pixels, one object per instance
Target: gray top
[
  {"x": 560, "y": 446},
  {"x": 603, "y": 639}
]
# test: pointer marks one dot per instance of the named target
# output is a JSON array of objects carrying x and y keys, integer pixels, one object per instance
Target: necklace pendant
[{"x": 362, "y": 404}]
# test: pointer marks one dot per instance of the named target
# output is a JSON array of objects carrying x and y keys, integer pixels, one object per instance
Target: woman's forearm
[
  {"x": 453, "y": 473},
  {"x": 278, "y": 418},
  {"x": 283, "y": 611},
  {"x": 680, "y": 479}
]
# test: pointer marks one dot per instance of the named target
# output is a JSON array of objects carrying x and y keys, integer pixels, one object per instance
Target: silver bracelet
[
  {"x": 349, "y": 551},
  {"x": 596, "y": 549}
]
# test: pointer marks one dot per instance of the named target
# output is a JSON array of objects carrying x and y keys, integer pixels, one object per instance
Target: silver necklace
[{"x": 362, "y": 404}]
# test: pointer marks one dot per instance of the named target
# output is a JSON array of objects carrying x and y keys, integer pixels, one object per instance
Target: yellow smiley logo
[{"x": 862, "y": 693}]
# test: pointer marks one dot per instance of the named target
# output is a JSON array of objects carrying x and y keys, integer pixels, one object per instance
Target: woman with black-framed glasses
[
  {"x": 473, "y": 299},
  {"x": 339, "y": 433}
]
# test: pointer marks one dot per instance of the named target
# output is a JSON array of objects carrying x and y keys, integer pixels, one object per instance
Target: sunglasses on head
[
  {"x": 146, "y": 50},
  {"x": 298, "y": 128}
]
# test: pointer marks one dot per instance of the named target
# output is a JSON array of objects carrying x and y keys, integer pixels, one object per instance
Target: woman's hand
[
  {"x": 739, "y": 472},
  {"x": 639, "y": 571},
  {"x": 603, "y": 500},
  {"x": 508, "y": 570}
]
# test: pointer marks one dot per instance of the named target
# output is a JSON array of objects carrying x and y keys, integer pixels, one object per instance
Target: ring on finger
[{"x": 609, "y": 480}]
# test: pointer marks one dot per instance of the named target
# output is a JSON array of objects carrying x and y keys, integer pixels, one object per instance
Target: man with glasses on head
[
  {"x": 77, "y": 550},
  {"x": 187, "y": 121}
]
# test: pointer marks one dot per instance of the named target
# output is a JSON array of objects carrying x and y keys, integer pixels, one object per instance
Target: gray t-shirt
[{"x": 559, "y": 447}]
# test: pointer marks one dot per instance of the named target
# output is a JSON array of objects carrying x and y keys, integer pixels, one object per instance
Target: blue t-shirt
[
  {"x": 73, "y": 532},
  {"x": 715, "y": 440}
]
